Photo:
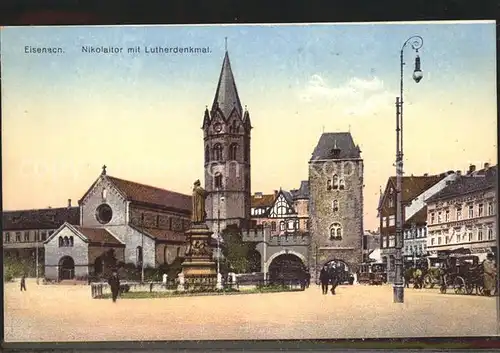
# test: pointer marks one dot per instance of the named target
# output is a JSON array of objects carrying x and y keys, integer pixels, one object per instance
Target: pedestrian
[
  {"x": 407, "y": 277},
  {"x": 324, "y": 279},
  {"x": 308, "y": 278},
  {"x": 489, "y": 274},
  {"x": 334, "y": 278},
  {"x": 417, "y": 274},
  {"x": 23, "y": 283},
  {"x": 114, "y": 284}
]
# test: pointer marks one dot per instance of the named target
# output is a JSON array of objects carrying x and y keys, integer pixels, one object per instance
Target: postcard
[{"x": 230, "y": 182}]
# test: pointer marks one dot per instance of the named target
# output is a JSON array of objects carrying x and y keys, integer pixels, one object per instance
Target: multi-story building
[
  {"x": 285, "y": 212},
  {"x": 371, "y": 246},
  {"x": 336, "y": 202},
  {"x": 414, "y": 191},
  {"x": 464, "y": 214},
  {"x": 25, "y": 231}
]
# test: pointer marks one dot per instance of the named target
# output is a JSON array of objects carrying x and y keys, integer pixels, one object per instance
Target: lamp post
[
  {"x": 142, "y": 248},
  {"x": 219, "y": 276},
  {"x": 36, "y": 254},
  {"x": 398, "y": 288},
  {"x": 264, "y": 253}
]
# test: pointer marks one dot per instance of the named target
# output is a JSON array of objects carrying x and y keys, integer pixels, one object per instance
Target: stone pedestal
[{"x": 199, "y": 268}]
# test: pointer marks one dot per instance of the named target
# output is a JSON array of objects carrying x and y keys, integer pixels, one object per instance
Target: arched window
[
  {"x": 71, "y": 241},
  {"x": 335, "y": 181},
  {"x": 341, "y": 183},
  {"x": 139, "y": 255},
  {"x": 335, "y": 205},
  {"x": 273, "y": 225},
  {"x": 218, "y": 180},
  {"x": 233, "y": 151},
  {"x": 207, "y": 154},
  {"x": 104, "y": 194},
  {"x": 336, "y": 231},
  {"x": 282, "y": 225},
  {"x": 66, "y": 241},
  {"x": 61, "y": 242},
  {"x": 217, "y": 152},
  {"x": 328, "y": 184}
]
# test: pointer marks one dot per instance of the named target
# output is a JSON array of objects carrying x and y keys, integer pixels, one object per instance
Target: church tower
[{"x": 226, "y": 130}]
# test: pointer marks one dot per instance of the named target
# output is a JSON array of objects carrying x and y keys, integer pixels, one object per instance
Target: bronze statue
[{"x": 199, "y": 195}]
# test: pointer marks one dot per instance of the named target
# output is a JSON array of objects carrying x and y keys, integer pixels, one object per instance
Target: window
[
  {"x": 61, "y": 242},
  {"x": 7, "y": 237},
  {"x": 71, "y": 241},
  {"x": 432, "y": 218},
  {"x": 207, "y": 154},
  {"x": 459, "y": 214},
  {"x": 291, "y": 225},
  {"x": 18, "y": 236},
  {"x": 439, "y": 240},
  {"x": 479, "y": 234},
  {"x": 139, "y": 255},
  {"x": 104, "y": 213},
  {"x": 336, "y": 231},
  {"x": 471, "y": 211},
  {"x": 341, "y": 184},
  {"x": 446, "y": 239},
  {"x": 458, "y": 236},
  {"x": 66, "y": 241},
  {"x": 432, "y": 241},
  {"x": 490, "y": 208},
  {"x": 469, "y": 235},
  {"x": 217, "y": 152},
  {"x": 282, "y": 225},
  {"x": 335, "y": 205},
  {"x": 233, "y": 151},
  {"x": 447, "y": 216},
  {"x": 490, "y": 233},
  {"x": 392, "y": 220},
  {"x": 392, "y": 241},
  {"x": 439, "y": 218},
  {"x": 425, "y": 232},
  {"x": 273, "y": 225},
  {"x": 218, "y": 180},
  {"x": 308, "y": 224},
  {"x": 27, "y": 236},
  {"x": 391, "y": 198},
  {"x": 480, "y": 210},
  {"x": 335, "y": 181},
  {"x": 328, "y": 184},
  {"x": 385, "y": 241},
  {"x": 104, "y": 194},
  {"x": 384, "y": 221},
  {"x": 296, "y": 224}
]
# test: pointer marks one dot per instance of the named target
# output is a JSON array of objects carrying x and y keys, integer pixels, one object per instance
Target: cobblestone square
[{"x": 67, "y": 313}]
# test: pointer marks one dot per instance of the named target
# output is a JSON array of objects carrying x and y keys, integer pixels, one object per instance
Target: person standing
[
  {"x": 324, "y": 279},
  {"x": 114, "y": 284},
  {"x": 23, "y": 283},
  {"x": 334, "y": 278},
  {"x": 165, "y": 278},
  {"x": 489, "y": 275}
]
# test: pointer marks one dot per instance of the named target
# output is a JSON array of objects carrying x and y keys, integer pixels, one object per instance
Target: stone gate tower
[
  {"x": 336, "y": 202},
  {"x": 226, "y": 130}
]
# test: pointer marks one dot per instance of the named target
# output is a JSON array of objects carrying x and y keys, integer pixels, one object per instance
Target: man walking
[
  {"x": 334, "y": 278},
  {"x": 23, "y": 283},
  {"x": 324, "y": 279},
  {"x": 114, "y": 284}
]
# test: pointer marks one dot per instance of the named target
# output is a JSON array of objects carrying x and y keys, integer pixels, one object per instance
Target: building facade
[
  {"x": 336, "y": 203},
  {"x": 415, "y": 189},
  {"x": 464, "y": 214},
  {"x": 120, "y": 221},
  {"x": 226, "y": 131}
]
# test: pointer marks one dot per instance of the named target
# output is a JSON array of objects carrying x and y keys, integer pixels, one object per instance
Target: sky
[{"x": 65, "y": 115}]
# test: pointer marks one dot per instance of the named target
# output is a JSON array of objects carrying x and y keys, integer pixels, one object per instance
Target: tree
[{"x": 236, "y": 252}]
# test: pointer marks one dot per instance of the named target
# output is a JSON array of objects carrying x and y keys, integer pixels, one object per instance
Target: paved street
[{"x": 67, "y": 313}]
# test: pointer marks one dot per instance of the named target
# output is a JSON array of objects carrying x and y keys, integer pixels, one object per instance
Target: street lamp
[
  {"x": 219, "y": 276},
  {"x": 398, "y": 288},
  {"x": 142, "y": 248}
]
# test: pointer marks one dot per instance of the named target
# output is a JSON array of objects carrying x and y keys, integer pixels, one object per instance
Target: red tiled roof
[
  {"x": 262, "y": 201},
  {"x": 165, "y": 234},
  {"x": 152, "y": 195},
  {"x": 99, "y": 236},
  {"x": 47, "y": 218}
]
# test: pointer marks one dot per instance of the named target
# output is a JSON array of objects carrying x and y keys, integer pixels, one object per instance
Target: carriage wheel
[
  {"x": 459, "y": 285},
  {"x": 442, "y": 289},
  {"x": 469, "y": 288},
  {"x": 480, "y": 289}
]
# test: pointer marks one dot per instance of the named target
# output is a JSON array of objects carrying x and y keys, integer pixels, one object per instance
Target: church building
[{"x": 123, "y": 220}]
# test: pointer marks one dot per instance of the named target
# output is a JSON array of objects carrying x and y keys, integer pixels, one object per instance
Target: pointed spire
[
  {"x": 206, "y": 118},
  {"x": 226, "y": 96},
  {"x": 103, "y": 170}
]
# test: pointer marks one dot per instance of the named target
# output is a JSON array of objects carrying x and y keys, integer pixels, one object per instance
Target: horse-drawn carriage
[
  {"x": 373, "y": 273},
  {"x": 463, "y": 273}
]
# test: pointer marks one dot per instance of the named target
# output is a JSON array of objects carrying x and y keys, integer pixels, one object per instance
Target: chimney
[
  {"x": 472, "y": 169},
  {"x": 459, "y": 172},
  {"x": 69, "y": 203},
  {"x": 426, "y": 174},
  {"x": 275, "y": 193},
  {"x": 486, "y": 166},
  {"x": 258, "y": 195}
]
